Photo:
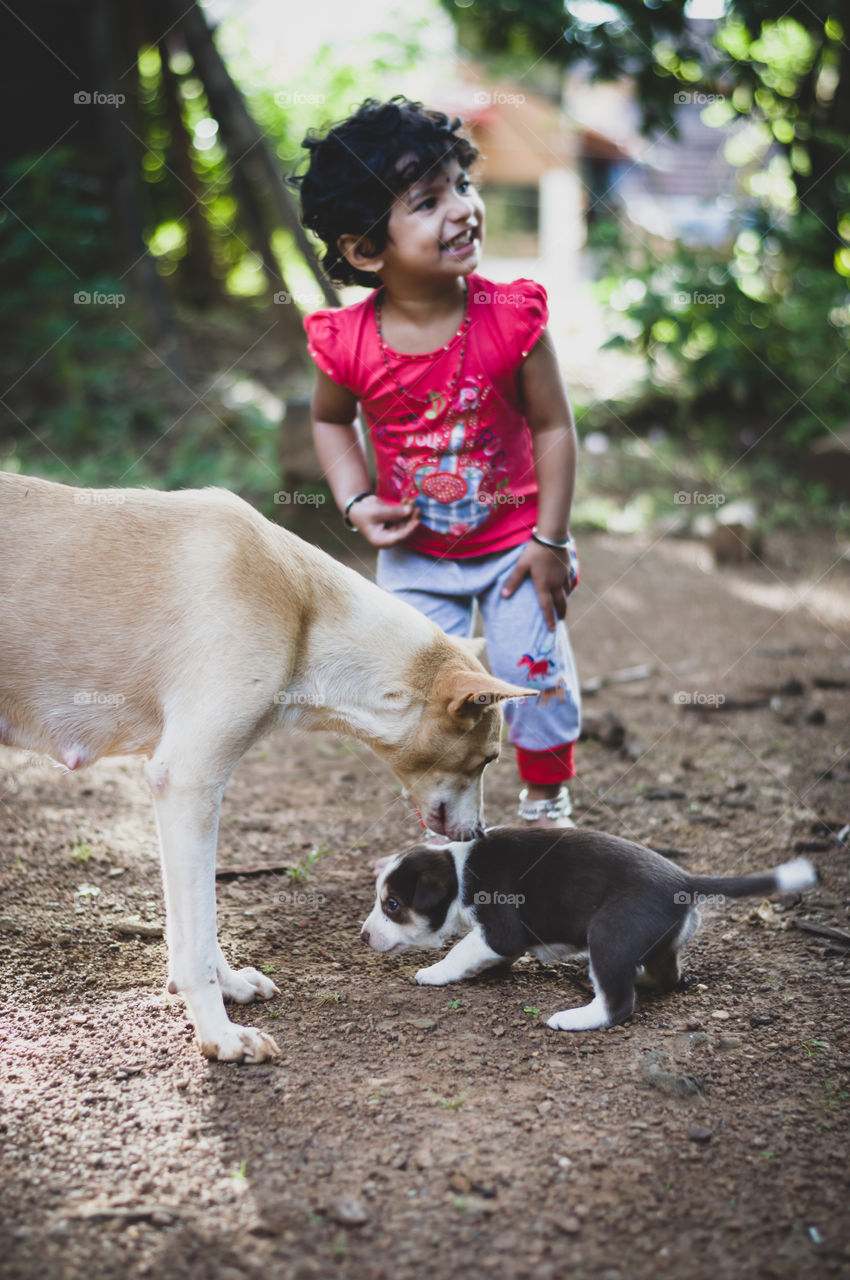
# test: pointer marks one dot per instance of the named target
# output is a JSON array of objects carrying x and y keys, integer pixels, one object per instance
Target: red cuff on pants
[{"x": 546, "y": 768}]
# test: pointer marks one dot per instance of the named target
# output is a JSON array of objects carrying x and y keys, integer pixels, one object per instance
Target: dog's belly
[
  {"x": 77, "y": 734},
  {"x": 556, "y": 952},
  {"x": 82, "y": 743}
]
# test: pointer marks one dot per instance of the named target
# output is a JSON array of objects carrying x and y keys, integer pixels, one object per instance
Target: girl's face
[{"x": 436, "y": 227}]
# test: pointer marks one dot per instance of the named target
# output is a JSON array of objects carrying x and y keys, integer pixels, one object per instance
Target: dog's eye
[{"x": 391, "y": 906}]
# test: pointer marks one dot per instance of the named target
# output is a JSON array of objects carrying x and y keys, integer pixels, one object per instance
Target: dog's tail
[{"x": 790, "y": 877}]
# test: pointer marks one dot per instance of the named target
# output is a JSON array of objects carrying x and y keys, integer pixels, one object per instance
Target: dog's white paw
[
  {"x": 433, "y": 976},
  {"x": 240, "y": 1044},
  {"x": 245, "y": 985},
  {"x": 586, "y": 1018}
]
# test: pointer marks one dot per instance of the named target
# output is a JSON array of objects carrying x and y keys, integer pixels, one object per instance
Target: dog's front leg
[
  {"x": 468, "y": 957},
  {"x": 187, "y": 819}
]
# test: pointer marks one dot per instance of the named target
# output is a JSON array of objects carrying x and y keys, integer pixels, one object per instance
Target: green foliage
[
  {"x": 90, "y": 398},
  {"x": 89, "y": 401},
  {"x": 750, "y": 346},
  {"x": 611, "y": 40},
  {"x": 781, "y": 69},
  {"x": 61, "y": 357}
]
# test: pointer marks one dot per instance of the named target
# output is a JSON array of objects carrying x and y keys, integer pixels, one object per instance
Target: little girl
[{"x": 473, "y": 436}]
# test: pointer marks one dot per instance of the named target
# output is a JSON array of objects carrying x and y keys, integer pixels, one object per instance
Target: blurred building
[{"x": 556, "y": 167}]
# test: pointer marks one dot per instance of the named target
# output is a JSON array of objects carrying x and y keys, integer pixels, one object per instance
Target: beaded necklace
[{"x": 436, "y": 400}]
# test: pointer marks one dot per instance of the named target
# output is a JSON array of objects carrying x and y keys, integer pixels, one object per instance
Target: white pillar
[{"x": 562, "y": 229}]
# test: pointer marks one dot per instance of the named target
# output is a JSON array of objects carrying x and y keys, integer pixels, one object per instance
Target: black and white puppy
[{"x": 555, "y": 894}]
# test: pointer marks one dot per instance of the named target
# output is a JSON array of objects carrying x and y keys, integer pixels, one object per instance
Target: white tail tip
[{"x": 793, "y": 876}]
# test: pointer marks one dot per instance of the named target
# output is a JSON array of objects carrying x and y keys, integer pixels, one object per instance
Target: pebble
[
  {"x": 721, "y": 1014},
  {"x": 130, "y": 927},
  {"x": 348, "y": 1211},
  {"x": 569, "y": 1225},
  {"x": 698, "y": 1133}
]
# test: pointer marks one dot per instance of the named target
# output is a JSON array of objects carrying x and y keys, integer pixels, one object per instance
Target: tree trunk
[
  {"x": 200, "y": 283},
  {"x": 125, "y": 184},
  {"x": 246, "y": 143}
]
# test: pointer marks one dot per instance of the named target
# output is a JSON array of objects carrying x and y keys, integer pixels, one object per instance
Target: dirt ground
[{"x": 447, "y": 1132}]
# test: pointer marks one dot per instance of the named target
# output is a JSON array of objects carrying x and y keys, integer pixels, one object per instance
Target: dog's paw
[
  {"x": 240, "y": 1044},
  {"x": 584, "y": 1019},
  {"x": 245, "y": 985},
  {"x": 432, "y": 977}
]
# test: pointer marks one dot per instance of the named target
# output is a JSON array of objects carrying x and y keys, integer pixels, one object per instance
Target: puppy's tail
[{"x": 790, "y": 877}]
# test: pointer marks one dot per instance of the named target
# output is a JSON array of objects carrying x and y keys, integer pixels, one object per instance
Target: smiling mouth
[{"x": 460, "y": 241}]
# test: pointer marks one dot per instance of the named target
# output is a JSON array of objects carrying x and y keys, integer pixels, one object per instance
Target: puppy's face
[{"x": 416, "y": 892}]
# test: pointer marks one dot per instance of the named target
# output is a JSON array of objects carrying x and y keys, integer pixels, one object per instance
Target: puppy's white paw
[
  {"x": 245, "y": 985},
  {"x": 240, "y": 1044},
  {"x": 433, "y": 976},
  {"x": 584, "y": 1019}
]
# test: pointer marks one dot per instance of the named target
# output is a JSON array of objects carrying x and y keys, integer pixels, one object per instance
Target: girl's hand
[
  {"x": 548, "y": 568},
  {"x": 384, "y": 523}
]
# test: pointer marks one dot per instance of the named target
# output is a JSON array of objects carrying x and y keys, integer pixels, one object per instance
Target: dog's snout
[{"x": 364, "y": 934}]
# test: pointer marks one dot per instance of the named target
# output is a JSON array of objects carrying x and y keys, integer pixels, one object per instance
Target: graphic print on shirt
[
  {"x": 447, "y": 491},
  {"x": 449, "y": 488}
]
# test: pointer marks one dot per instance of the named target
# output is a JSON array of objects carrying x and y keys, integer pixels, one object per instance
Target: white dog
[{"x": 183, "y": 626}]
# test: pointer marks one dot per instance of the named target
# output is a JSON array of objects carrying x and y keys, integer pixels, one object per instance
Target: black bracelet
[
  {"x": 545, "y": 542},
  {"x": 358, "y": 497}
]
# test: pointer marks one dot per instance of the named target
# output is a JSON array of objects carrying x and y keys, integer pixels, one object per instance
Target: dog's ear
[
  {"x": 464, "y": 691},
  {"x": 437, "y": 881}
]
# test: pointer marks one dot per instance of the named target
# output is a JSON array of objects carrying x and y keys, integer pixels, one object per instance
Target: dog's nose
[{"x": 365, "y": 936}]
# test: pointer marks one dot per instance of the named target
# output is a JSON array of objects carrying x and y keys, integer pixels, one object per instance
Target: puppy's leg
[
  {"x": 612, "y": 973},
  {"x": 468, "y": 957},
  {"x": 187, "y": 818},
  {"x": 660, "y": 971},
  {"x": 661, "y": 965},
  {"x": 242, "y": 985}
]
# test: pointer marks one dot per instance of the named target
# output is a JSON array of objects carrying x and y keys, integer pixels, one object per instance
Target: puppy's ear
[
  {"x": 437, "y": 882},
  {"x": 464, "y": 691}
]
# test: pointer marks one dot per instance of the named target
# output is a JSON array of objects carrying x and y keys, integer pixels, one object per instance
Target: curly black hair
[{"x": 354, "y": 178}]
